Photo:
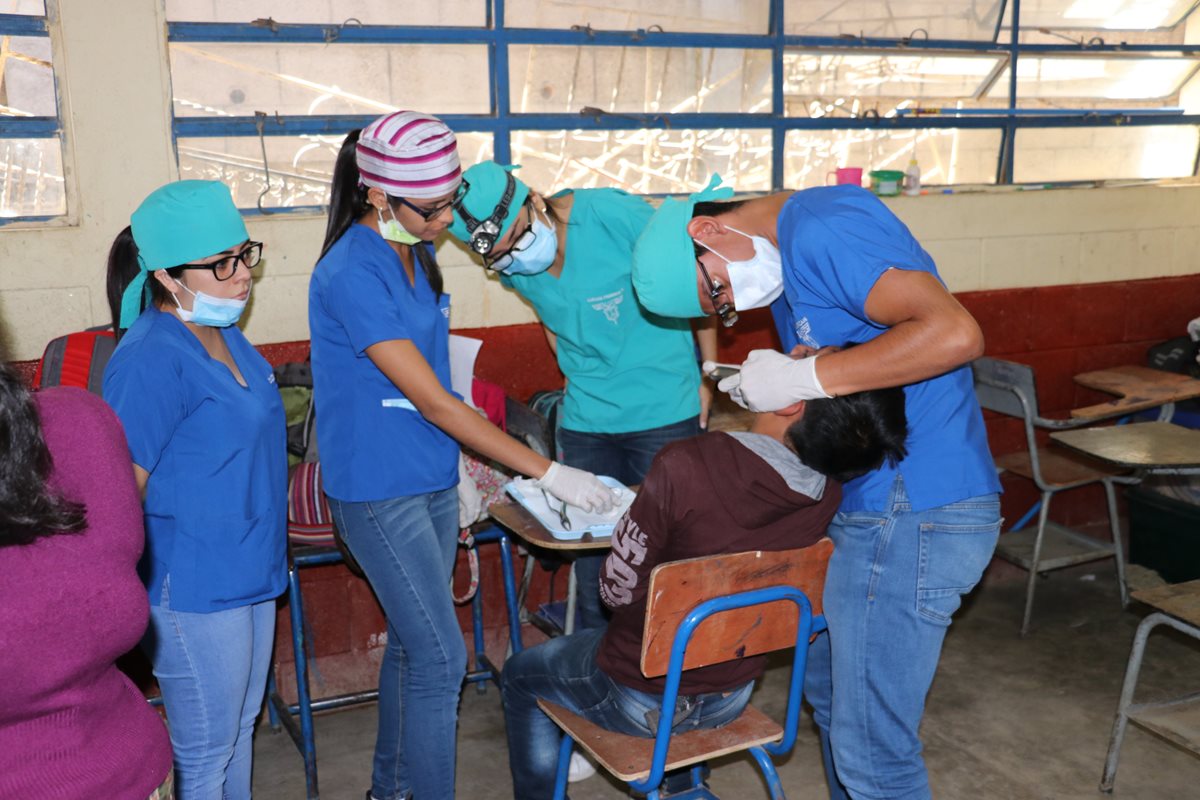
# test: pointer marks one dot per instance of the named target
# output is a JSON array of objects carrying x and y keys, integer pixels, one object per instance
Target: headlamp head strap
[{"x": 484, "y": 233}]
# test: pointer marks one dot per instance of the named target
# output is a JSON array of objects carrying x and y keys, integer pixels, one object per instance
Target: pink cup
[{"x": 851, "y": 175}]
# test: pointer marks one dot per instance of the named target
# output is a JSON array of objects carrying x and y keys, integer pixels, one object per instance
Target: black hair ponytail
[
  {"x": 347, "y": 197},
  {"x": 122, "y": 268},
  {"x": 348, "y": 202}
]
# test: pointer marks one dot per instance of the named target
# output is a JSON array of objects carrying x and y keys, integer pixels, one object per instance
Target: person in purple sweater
[{"x": 71, "y": 724}]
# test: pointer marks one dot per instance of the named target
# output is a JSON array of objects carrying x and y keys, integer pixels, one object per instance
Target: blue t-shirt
[
  {"x": 836, "y": 241},
  {"x": 216, "y": 451},
  {"x": 374, "y": 444},
  {"x": 627, "y": 369}
]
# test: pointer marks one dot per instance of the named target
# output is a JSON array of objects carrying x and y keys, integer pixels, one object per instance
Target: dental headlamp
[{"x": 484, "y": 233}]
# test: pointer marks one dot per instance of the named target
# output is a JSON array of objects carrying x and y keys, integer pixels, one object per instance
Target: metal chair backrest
[
  {"x": 678, "y": 587},
  {"x": 718, "y": 608},
  {"x": 1006, "y": 387}
]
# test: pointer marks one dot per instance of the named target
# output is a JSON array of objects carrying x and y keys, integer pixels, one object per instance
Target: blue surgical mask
[
  {"x": 539, "y": 255},
  {"x": 213, "y": 312},
  {"x": 393, "y": 231}
]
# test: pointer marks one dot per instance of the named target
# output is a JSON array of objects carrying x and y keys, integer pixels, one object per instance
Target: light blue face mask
[
  {"x": 539, "y": 255},
  {"x": 212, "y": 312}
]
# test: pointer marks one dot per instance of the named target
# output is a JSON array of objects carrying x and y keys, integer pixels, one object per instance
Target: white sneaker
[{"x": 580, "y": 770}]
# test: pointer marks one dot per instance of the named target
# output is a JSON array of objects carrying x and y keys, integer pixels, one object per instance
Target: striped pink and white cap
[{"x": 409, "y": 154}]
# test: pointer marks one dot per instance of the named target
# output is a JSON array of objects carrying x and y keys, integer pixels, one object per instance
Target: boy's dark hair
[{"x": 847, "y": 437}]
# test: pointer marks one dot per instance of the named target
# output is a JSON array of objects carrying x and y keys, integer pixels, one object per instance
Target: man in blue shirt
[{"x": 836, "y": 265}]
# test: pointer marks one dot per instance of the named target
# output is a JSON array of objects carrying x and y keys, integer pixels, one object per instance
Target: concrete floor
[{"x": 1007, "y": 719}]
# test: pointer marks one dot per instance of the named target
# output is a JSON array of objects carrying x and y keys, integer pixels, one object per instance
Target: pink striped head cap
[{"x": 409, "y": 154}]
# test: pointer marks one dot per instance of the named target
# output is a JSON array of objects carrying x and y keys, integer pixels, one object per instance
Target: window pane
[
  {"x": 27, "y": 83},
  {"x": 26, "y": 8},
  {"x": 841, "y": 78},
  {"x": 710, "y": 16},
  {"x": 317, "y": 12},
  {"x": 644, "y": 161},
  {"x": 1100, "y": 78},
  {"x": 639, "y": 79},
  {"x": 1111, "y": 14},
  {"x": 238, "y": 79},
  {"x": 1081, "y": 154},
  {"x": 31, "y": 178},
  {"x": 939, "y": 19},
  {"x": 946, "y": 156},
  {"x": 301, "y": 166}
]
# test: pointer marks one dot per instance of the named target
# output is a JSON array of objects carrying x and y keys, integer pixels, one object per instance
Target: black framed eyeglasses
[
  {"x": 224, "y": 268},
  {"x": 725, "y": 311},
  {"x": 523, "y": 242},
  {"x": 431, "y": 213}
]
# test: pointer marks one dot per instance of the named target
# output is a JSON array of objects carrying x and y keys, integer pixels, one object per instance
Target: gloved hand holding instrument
[
  {"x": 577, "y": 487},
  {"x": 770, "y": 380}
]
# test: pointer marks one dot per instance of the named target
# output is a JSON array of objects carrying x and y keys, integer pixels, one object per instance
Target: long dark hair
[
  {"x": 348, "y": 202},
  {"x": 122, "y": 269},
  {"x": 28, "y": 509}
]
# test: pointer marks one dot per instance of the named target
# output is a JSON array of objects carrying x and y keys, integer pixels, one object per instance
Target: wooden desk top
[
  {"x": 1137, "y": 388},
  {"x": 517, "y": 519},
  {"x": 1180, "y": 600},
  {"x": 1143, "y": 445}
]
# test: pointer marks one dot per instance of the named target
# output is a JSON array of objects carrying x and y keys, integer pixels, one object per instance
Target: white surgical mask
[
  {"x": 393, "y": 231},
  {"x": 213, "y": 312},
  {"x": 757, "y": 281},
  {"x": 538, "y": 256}
]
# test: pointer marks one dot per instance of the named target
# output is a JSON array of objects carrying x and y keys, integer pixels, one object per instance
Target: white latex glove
[
  {"x": 578, "y": 488},
  {"x": 770, "y": 380}
]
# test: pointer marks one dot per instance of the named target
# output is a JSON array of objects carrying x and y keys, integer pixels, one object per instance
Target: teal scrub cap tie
[
  {"x": 482, "y": 188},
  {"x": 664, "y": 258},
  {"x": 176, "y": 224}
]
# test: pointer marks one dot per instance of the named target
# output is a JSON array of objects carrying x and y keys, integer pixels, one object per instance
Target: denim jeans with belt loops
[
  {"x": 895, "y": 579},
  {"x": 406, "y": 546}
]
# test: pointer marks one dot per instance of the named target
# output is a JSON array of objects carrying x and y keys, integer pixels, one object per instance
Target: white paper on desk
[
  {"x": 463, "y": 352},
  {"x": 526, "y": 492}
]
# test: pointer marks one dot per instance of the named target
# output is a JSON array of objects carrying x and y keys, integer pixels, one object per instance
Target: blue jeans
[
  {"x": 564, "y": 671},
  {"x": 406, "y": 547},
  {"x": 626, "y": 457},
  {"x": 895, "y": 579},
  {"x": 212, "y": 670}
]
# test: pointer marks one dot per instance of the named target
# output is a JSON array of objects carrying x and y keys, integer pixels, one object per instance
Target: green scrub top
[{"x": 627, "y": 369}]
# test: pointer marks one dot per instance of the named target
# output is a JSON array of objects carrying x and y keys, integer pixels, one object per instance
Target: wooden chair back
[{"x": 679, "y": 586}]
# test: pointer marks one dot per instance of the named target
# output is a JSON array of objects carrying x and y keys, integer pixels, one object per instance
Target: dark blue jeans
[
  {"x": 406, "y": 546},
  {"x": 564, "y": 671},
  {"x": 626, "y": 457}
]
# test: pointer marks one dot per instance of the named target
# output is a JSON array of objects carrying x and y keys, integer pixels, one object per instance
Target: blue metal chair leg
[
  {"x": 309, "y": 751},
  {"x": 564, "y": 765},
  {"x": 481, "y": 665},
  {"x": 510, "y": 594},
  {"x": 767, "y": 766}
]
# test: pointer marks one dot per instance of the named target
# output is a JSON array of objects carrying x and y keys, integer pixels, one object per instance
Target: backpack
[
  {"x": 548, "y": 404},
  {"x": 76, "y": 359},
  {"x": 295, "y": 383}
]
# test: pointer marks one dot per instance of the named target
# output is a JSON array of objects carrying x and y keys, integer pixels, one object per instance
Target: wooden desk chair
[
  {"x": 1008, "y": 388},
  {"x": 707, "y": 611},
  {"x": 1176, "y": 720}
]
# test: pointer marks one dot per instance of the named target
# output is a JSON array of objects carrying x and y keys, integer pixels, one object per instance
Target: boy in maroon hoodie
[{"x": 773, "y": 488}]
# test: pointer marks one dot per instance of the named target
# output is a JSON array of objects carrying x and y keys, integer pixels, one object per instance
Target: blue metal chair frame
[
  {"x": 283, "y": 714},
  {"x": 806, "y": 627}
]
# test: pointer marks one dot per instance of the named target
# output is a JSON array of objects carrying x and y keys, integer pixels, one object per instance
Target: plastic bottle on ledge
[{"x": 912, "y": 179}]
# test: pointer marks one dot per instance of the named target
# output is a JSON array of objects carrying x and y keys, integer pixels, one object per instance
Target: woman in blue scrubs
[
  {"x": 207, "y": 435},
  {"x": 389, "y": 430},
  {"x": 632, "y": 380}
]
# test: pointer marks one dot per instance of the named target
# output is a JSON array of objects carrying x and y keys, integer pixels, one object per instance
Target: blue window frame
[
  {"x": 32, "y": 185},
  {"x": 771, "y": 99}
]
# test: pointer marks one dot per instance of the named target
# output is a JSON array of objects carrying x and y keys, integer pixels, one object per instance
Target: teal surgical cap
[
  {"x": 482, "y": 188},
  {"x": 177, "y": 224},
  {"x": 664, "y": 258}
]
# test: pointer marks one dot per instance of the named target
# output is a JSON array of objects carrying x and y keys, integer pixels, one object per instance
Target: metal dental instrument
[{"x": 561, "y": 511}]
